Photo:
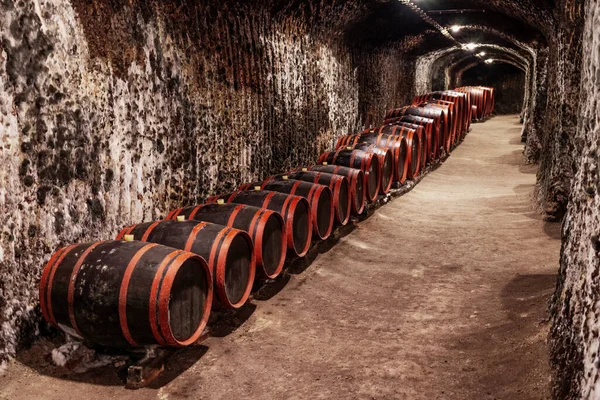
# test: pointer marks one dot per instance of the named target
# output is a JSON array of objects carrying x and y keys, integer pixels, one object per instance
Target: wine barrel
[
  {"x": 440, "y": 121},
  {"x": 428, "y": 125},
  {"x": 295, "y": 211},
  {"x": 127, "y": 294},
  {"x": 265, "y": 227},
  {"x": 228, "y": 251},
  {"x": 413, "y": 143},
  {"x": 450, "y": 108},
  {"x": 319, "y": 198},
  {"x": 367, "y": 162},
  {"x": 396, "y": 144},
  {"x": 386, "y": 163},
  {"x": 426, "y": 142},
  {"x": 338, "y": 185},
  {"x": 395, "y": 113},
  {"x": 356, "y": 179},
  {"x": 462, "y": 106}
]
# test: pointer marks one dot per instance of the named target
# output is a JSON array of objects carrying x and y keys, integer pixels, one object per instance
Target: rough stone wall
[
  {"x": 533, "y": 129},
  {"x": 385, "y": 79},
  {"x": 574, "y": 337},
  {"x": 113, "y": 112},
  {"x": 562, "y": 110}
]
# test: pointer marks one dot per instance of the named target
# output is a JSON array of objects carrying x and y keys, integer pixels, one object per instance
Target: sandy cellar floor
[{"x": 441, "y": 294}]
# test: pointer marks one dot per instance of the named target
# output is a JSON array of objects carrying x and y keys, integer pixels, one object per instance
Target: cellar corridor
[{"x": 441, "y": 294}]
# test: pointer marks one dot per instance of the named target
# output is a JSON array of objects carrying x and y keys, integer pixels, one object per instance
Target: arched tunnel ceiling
[{"x": 508, "y": 30}]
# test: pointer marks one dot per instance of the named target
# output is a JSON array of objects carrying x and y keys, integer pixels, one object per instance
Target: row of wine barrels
[
  {"x": 458, "y": 104},
  {"x": 396, "y": 144},
  {"x": 318, "y": 196},
  {"x": 483, "y": 98},
  {"x": 463, "y": 102},
  {"x": 339, "y": 186},
  {"x": 356, "y": 179},
  {"x": 426, "y": 141},
  {"x": 414, "y": 144},
  {"x": 265, "y": 227},
  {"x": 295, "y": 211},
  {"x": 386, "y": 163},
  {"x": 127, "y": 294},
  {"x": 229, "y": 253},
  {"x": 366, "y": 162}
]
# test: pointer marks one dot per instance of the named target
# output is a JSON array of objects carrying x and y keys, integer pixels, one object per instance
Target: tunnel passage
[{"x": 114, "y": 112}]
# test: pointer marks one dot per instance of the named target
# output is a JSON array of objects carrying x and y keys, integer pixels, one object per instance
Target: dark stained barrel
[
  {"x": 426, "y": 142},
  {"x": 356, "y": 180},
  {"x": 440, "y": 121},
  {"x": 396, "y": 144},
  {"x": 386, "y": 163},
  {"x": 428, "y": 125},
  {"x": 367, "y": 162},
  {"x": 265, "y": 227},
  {"x": 413, "y": 143},
  {"x": 295, "y": 211},
  {"x": 339, "y": 186},
  {"x": 228, "y": 251},
  {"x": 127, "y": 294},
  {"x": 395, "y": 113},
  {"x": 319, "y": 197}
]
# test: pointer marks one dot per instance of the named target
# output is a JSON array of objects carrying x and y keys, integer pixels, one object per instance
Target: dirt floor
[{"x": 441, "y": 294}]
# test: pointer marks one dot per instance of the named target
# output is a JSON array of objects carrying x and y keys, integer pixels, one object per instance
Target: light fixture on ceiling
[
  {"x": 471, "y": 46},
  {"x": 455, "y": 28},
  {"x": 481, "y": 54},
  {"x": 489, "y": 61}
]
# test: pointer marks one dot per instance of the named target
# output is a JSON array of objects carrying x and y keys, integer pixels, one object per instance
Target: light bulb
[
  {"x": 471, "y": 46},
  {"x": 455, "y": 28}
]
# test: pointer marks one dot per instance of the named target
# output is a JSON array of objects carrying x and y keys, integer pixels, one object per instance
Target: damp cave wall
[
  {"x": 575, "y": 307},
  {"x": 114, "y": 112}
]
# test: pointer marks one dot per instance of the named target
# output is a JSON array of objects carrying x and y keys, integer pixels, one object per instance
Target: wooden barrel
[
  {"x": 319, "y": 198},
  {"x": 440, "y": 121},
  {"x": 386, "y": 163},
  {"x": 127, "y": 294},
  {"x": 295, "y": 211},
  {"x": 356, "y": 180},
  {"x": 396, "y": 143},
  {"x": 228, "y": 251},
  {"x": 450, "y": 108},
  {"x": 366, "y": 162},
  {"x": 395, "y": 113},
  {"x": 265, "y": 227},
  {"x": 413, "y": 143},
  {"x": 426, "y": 142},
  {"x": 462, "y": 108},
  {"x": 339, "y": 186},
  {"x": 428, "y": 125}
]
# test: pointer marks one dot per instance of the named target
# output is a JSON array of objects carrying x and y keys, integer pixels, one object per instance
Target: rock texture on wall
[
  {"x": 113, "y": 112},
  {"x": 575, "y": 335}
]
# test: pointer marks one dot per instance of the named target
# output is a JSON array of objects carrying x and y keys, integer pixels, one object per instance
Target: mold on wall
[
  {"x": 113, "y": 112},
  {"x": 575, "y": 309}
]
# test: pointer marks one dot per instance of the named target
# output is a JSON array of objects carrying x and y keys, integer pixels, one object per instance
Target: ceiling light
[
  {"x": 489, "y": 61},
  {"x": 481, "y": 54},
  {"x": 455, "y": 28},
  {"x": 471, "y": 46}
]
